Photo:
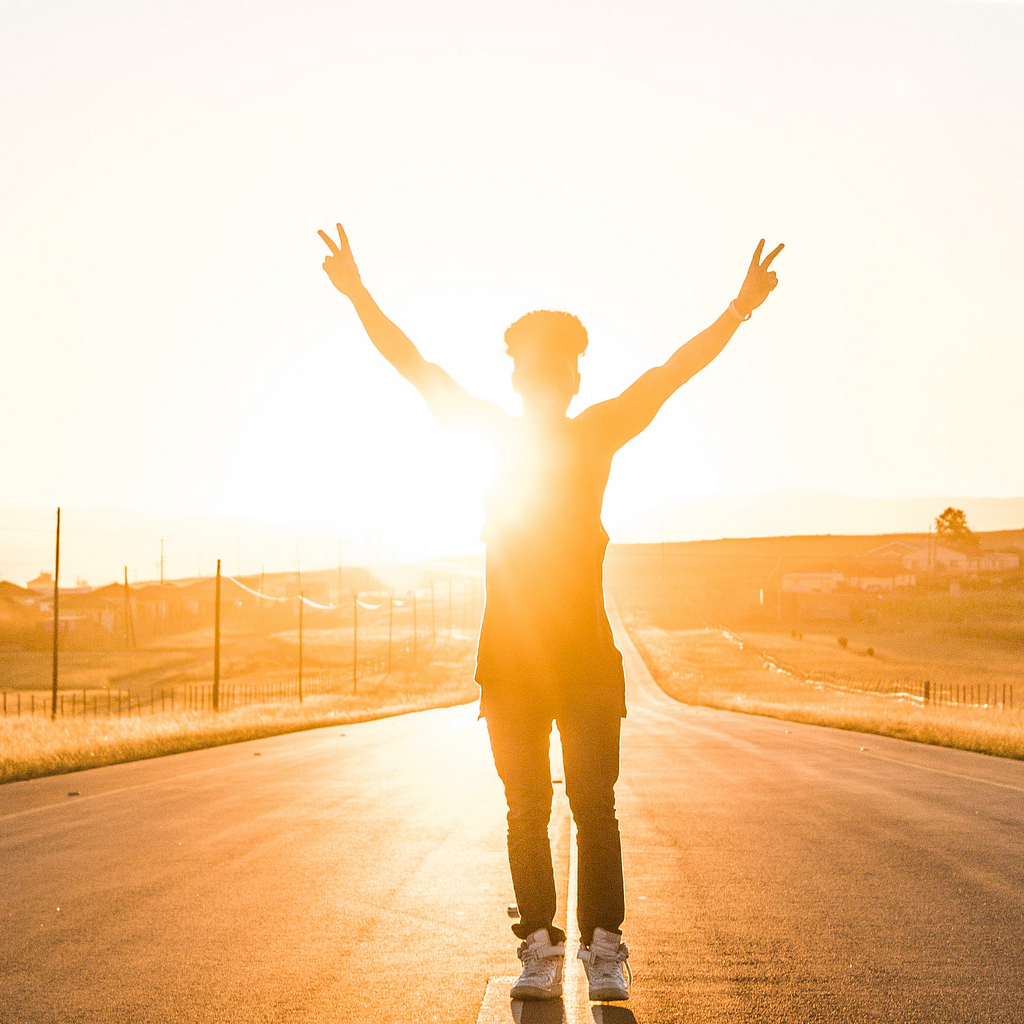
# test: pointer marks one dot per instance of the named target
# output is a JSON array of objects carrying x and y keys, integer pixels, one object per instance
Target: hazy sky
[{"x": 171, "y": 346}]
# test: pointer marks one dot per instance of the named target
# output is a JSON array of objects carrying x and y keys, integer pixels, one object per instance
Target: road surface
[{"x": 774, "y": 872}]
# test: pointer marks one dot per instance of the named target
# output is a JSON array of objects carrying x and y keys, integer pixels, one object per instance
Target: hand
[
  {"x": 340, "y": 266},
  {"x": 758, "y": 282}
]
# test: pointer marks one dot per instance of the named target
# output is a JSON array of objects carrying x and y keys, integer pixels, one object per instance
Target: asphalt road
[{"x": 774, "y": 872}]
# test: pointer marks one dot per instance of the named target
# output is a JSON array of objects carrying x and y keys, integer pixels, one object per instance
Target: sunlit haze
[{"x": 173, "y": 351}]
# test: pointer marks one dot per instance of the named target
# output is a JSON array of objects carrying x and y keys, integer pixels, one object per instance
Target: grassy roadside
[
  {"x": 34, "y": 747},
  {"x": 704, "y": 667}
]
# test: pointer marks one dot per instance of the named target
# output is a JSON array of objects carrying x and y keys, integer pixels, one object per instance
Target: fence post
[
  {"x": 56, "y": 614},
  {"x": 216, "y": 644}
]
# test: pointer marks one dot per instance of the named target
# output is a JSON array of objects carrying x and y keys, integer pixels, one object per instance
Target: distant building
[
  {"x": 926, "y": 557},
  {"x": 833, "y": 595},
  {"x": 878, "y": 584},
  {"x": 811, "y": 582},
  {"x": 42, "y": 584}
]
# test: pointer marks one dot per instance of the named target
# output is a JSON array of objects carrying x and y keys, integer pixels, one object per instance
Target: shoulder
[{"x": 594, "y": 426}]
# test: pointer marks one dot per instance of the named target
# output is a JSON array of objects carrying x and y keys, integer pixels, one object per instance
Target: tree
[{"x": 952, "y": 526}]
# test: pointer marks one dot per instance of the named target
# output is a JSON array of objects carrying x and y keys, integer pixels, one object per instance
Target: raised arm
[
  {"x": 448, "y": 400},
  {"x": 620, "y": 419}
]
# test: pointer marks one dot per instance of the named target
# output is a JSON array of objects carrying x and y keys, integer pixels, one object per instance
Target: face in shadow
[{"x": 546, "y": 382}]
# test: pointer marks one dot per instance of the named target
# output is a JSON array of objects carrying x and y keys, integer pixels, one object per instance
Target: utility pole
[
  {"x": 367, "y": 536},
  {"x": 129, "y": 622},
  {"x": 216, "y": 644},
  {"x": 56, "y": 618},
  {"x": 355, "y": 638}
]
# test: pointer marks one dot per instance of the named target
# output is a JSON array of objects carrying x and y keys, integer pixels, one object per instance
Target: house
[
  {"x": 811, "y": 582},
  {"x": 877, "y": 584},
  {"x": 933, "y": 556},
  {"x": 42, "y": 584},
  {"x": 18, "y": 612},
  {"x": 805, "y": 596}
]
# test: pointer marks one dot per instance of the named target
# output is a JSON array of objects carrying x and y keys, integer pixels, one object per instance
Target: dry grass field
[
  {"x": 30, "y": 747},
  {"x": 151, "y": 694},
  {"x": 706, "y": 617},
  {"x": 705, "y": 666}
]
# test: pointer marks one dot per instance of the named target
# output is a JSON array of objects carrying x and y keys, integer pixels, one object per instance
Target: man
[{"x": 546, "y": 652}]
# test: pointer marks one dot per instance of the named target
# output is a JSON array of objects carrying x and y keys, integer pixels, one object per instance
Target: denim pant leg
[
  {"x": 520, "y": 742},
  {"x": 590, "y": 755}
]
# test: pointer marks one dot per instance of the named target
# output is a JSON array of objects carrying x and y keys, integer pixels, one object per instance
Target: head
[{"x": 545, "y": 347}]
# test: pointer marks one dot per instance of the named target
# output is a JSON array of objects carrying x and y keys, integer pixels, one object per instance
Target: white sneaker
[
  {"x": 604, "y": 960},
  {"x": 542, "y": 968}
]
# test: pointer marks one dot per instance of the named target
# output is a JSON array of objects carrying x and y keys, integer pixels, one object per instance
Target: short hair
[{"x": 558, "y": 334}]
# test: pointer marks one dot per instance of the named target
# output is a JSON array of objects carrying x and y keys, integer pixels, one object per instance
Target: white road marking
[
  {"x": 575, "y": 991},
  {"x": 574, "y": 1006},
  {"x": 496, "y": 1007}
]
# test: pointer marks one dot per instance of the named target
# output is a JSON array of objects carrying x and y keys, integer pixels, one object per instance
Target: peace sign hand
[
  {"x": 340, "y": 266},
  {"x": 759, "y": 280}
]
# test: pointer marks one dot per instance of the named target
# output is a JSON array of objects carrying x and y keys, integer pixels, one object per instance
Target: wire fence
[
  {"x": 945, "y": 693},
  {"x": 201, "y": 697},
  {"x": 358, "y": 635},
  {"x": 187, "y": 697}
]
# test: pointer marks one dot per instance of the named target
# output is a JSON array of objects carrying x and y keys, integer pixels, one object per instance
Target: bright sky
[{"x": 171, "y": 346}]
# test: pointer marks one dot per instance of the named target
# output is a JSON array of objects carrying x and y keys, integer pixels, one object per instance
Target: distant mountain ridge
[
  {"x": 97, "y": 544},
  {"x": 788, "y": 513}
]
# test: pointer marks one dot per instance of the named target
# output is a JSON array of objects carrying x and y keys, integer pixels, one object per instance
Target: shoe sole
[
  {"x": 608, "y": 995},
  {"x": 527, "y": 994}
]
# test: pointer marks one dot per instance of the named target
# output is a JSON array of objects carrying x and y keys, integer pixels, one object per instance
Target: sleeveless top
[{"x": 545, "y": 634}]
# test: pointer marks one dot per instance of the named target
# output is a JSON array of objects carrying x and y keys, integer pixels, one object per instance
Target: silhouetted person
[{"x": 546, "y": 651}]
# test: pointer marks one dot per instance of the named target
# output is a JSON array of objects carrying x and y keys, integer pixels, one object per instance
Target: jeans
[{"x": 520, "y": 737}]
